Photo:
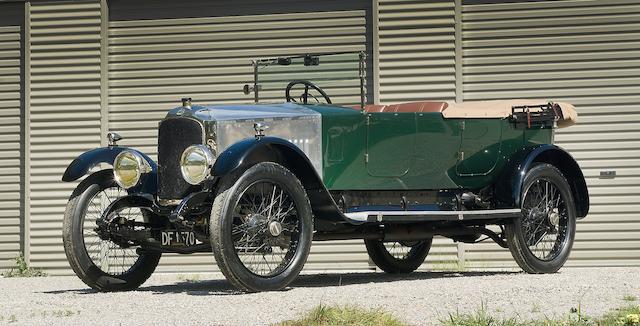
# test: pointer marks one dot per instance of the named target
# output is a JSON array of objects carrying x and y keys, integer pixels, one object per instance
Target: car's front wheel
[
  {"x": 541, "y": 240},
  {"x": 261, "y": 228},
  {"x": 398, "y": 257},
  {"x": 98, "y": 261}
]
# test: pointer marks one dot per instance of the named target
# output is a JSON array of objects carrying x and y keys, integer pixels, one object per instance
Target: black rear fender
[{"x": 509, "y": 188}]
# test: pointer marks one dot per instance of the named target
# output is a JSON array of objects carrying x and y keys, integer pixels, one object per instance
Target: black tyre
[
  {"x": 261, "y": 228},
  {"x": 541, "y": 240},
  {"x": 102, "y": 264},
  {"x": 398, "y": 257}
]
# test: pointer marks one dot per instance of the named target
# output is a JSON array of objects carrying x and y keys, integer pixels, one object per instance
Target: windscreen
[{"x": 340, "y": 76}]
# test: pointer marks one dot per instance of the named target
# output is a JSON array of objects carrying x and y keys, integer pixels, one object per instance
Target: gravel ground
[{"x": 419, "y": 298}]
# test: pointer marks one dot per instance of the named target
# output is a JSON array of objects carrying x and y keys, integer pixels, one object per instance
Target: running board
[{"x": 431, "y": 216}]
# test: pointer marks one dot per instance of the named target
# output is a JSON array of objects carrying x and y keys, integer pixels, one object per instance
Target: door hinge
[
  {"x": 462, "y": 125},
  {"x": 366, "y": 158},
  {"x": 460, "y": 156},
  {"x": 368, "y": 120}
]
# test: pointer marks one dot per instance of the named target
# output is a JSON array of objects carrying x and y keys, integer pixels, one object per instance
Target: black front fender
[
  {"x": 251, "y": 151},
  {"x": 244, "y": 154},
  {"x": 87, "y": 160}
]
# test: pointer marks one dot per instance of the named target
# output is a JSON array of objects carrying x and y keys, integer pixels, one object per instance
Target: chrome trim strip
[{"x": 460, "y": 215}]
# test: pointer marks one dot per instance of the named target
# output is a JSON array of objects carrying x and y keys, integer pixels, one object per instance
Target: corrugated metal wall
[
  {"x": 585, "y": 52},
  {"x": 417, "y": 62},
  {"x": 416, "y": 50},
  {"x": 582, "y": 52},
  {"x": 155, "y": 62},
  {"x": 10, "y": 132},
  {"x": 64, "y": 115}
]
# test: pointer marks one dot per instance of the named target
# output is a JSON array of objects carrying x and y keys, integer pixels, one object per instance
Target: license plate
[{"x": 178, "y": 238}]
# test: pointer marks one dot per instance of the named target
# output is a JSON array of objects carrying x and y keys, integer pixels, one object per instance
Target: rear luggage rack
[{"x": 542, "y": 116}]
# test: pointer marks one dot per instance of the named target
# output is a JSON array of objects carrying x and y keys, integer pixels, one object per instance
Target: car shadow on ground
[
  {"x": 222, "y": 287},
  {"x": 343, "y": 279}
]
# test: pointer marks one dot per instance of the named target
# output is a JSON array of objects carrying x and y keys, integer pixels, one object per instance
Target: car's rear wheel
[
  {"x": 541, "y": 240},
  {"x": 261, "y": 228},
  {"x": 101, "y": 263},
  {"x": 398, "y": 257}
]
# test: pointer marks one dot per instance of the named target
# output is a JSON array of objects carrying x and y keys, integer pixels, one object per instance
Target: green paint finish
[
  {"x": 343, "y": 149},
  {"x": 437, "y": 144},
  {"x": 476, "y": 158},
  {"x": 486, "y": 159},
  {"x": 391, "y": 139},
  {"x": 417, "y": 150},
  {"x": 534, "y": 137}
]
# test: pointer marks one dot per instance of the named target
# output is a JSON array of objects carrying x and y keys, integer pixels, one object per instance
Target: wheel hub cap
[
  {"x": 554, "y": 217},
  {"x": 275, "y": 228}
]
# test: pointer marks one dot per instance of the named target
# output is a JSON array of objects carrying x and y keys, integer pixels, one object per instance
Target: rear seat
[{"x": 408, "y": 107}]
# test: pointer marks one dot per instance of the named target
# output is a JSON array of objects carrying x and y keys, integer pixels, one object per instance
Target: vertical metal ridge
[
  {"x": 458, "y": 51},
  {"x": 376, "y": 52},
  {"x": 11, "y": 148},
  {"x": 26, "y": 134},
  {"x": 104, "y": 71}
]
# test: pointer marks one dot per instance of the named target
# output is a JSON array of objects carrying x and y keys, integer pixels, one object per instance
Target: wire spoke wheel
[
  {"x": 261, "y": 228},
  {"x": 265, "y": 228},
  {"x": 97, "y": 251},
  {"x": 401, "y": 250},
  {"x": 111, "y": 258},
  {"x": 398, "y": 256},
  {"x": 540, "y": 240},
  {"x": 544, "y": 219}
]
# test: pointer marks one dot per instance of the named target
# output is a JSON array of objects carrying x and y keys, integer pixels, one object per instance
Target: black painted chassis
[{"x": 193, "y": 213}]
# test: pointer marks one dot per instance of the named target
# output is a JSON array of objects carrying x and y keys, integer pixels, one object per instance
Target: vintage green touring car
[{"x": 257, "y": 183}]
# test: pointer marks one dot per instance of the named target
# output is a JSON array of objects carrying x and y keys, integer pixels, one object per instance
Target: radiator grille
[{"x": 174, "y": 136}]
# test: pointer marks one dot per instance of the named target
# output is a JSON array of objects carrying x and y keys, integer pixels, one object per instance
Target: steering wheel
[{"x": 305, "y": 96}]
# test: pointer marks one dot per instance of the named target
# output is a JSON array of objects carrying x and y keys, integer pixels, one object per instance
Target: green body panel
[
  {"x": 343, "y": 148},
  {"x": 477, "y": 157},
  {"x": 390, "y": 144},
  {"x": 417, "y": 151}
]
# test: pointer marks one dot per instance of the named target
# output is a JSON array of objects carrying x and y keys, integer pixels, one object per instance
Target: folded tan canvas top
[{"x": 502, "y": 109}]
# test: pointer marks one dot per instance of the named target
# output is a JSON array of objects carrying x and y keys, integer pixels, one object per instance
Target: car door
[
  {"x": 437, "y": 145},
  {"x": 390, "y": 143},
  {"x": 479, "y": 146}
]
